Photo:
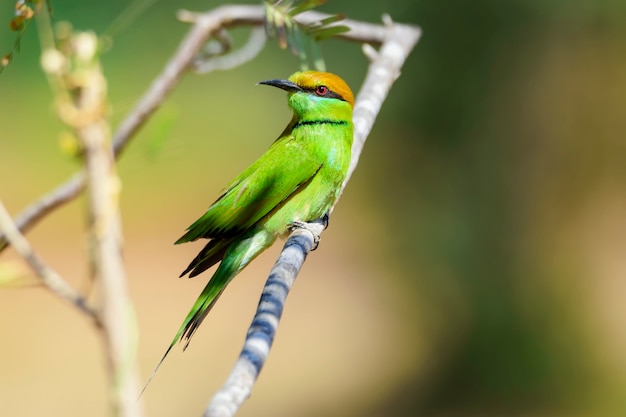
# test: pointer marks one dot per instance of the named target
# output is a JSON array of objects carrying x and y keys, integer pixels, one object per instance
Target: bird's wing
[{"x": 265, "y": 184}]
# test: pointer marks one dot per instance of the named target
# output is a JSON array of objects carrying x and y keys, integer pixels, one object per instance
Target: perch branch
[
  {"x": 384, "y": 69},
  {"x": 204, "y": 26},
  {"x": 260, "y": 336}
]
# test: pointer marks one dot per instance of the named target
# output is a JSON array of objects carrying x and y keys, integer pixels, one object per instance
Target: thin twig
[
  {"x": 384, "y": 69},
  {"x": 204, "y": 25},
  {"x": 48, "y": 276},
  {"x": 254, "y": 45}
]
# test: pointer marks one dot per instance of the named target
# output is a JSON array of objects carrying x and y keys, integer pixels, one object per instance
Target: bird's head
[{"x": 315, "y": 91}]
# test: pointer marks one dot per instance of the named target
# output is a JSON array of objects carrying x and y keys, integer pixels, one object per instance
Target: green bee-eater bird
[{"x": 296, "y": 180}]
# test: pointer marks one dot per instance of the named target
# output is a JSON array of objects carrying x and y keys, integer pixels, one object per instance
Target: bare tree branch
[
  {"x": 118, "y": 324},
  {"x": 260, "y": 336},
  {"x": 48, "y": 276},
  {"x": 75, "y": 75},
  {"x": 103, "y": 186},
  {"x": 52, "y": 200},
  {"x": 204, "y": 26},
  {"x": 384, "y": 69}
]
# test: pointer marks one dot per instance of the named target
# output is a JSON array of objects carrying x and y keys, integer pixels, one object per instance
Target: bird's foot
[{"x": 315, "y": 228}]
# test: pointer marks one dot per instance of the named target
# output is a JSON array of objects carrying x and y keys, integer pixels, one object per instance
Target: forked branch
[{"x": 395, "y": 40}]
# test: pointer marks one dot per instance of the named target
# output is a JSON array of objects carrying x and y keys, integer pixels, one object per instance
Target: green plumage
[{"x": 297, "y": 179}]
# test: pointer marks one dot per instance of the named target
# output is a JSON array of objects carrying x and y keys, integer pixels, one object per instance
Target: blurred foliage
[
  {"x": 301, "y": 39},
  {"x": 491, "y": 193}
]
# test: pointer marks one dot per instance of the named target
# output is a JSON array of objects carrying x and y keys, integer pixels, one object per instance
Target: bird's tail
[{"x": 236, "y": 257}]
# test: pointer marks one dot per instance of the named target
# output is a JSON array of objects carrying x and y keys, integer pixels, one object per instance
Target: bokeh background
[{"x": 475, "y": 266}]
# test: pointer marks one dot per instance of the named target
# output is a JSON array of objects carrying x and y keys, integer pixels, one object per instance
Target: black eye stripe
[{"x": 329, "y": 94}]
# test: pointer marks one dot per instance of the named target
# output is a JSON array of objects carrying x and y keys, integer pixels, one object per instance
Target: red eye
[{"x": 321, "y": 90}]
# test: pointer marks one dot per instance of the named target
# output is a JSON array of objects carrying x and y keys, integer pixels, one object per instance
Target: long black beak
[{"x": 282, "y": 84}]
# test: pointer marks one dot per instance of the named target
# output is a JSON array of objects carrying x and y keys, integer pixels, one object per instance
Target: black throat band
[{"x": 320, "y": 122}]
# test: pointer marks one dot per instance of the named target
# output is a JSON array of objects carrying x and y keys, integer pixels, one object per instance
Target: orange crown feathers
[{"x": 313, "y": 79}]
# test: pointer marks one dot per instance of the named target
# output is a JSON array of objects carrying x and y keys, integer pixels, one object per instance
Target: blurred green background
[{"x": 475, "y": 266}]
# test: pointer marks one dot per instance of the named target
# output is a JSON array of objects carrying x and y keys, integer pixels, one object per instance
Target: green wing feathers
[
  {"x": 237, "y": 254},
  {"x": 254, "y": 194},
  {"x": 211, "y": 254},
  {"x": 230, "y": 222}
]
